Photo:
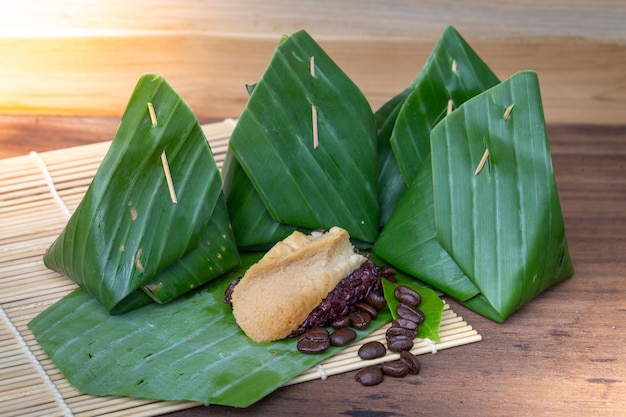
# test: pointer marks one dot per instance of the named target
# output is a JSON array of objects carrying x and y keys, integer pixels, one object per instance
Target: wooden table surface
[{"x": 563, "y": 354}]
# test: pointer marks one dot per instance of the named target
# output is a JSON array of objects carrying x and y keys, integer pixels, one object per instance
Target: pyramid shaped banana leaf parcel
[
  {"x": 303, "y": 153},
  {"x": 130, "y": 241},
  {"x": 482, "y": 221}
]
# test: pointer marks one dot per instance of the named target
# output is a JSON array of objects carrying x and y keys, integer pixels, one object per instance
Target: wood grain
[
  {"x": 560, "y": 355},
  {"x": 84, "y": 58}
]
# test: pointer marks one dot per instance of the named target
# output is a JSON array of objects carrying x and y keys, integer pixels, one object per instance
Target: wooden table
[{"x": 563, "y": 354}]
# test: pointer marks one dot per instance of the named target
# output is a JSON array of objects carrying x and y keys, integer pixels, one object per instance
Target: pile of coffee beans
[{"x": 399, "y": 336}]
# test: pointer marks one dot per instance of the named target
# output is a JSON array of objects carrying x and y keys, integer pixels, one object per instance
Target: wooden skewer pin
[
  {"x": 166, "y": 166},
  {"x": 508, "y": 111},
  {"x": 313, "y": 108},
  {"x": 482, "y": 162}
]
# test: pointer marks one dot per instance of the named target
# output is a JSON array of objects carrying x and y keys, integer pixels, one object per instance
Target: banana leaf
[
  {"x": 391, "y": 184},
  {"x": 129, "y": 243},
  {"x": 453, "y": 71},
  {"x": 189, "y": 349},
  {"x": 409, "y": 242},
  {"x": 431, "y": 305},
  {"x": 306, "y": 180},
  {"x": 499, "y": 226},
  {"x": 253, "y": 226}
]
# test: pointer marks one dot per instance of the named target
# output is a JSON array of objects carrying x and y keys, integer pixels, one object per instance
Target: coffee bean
[
  {"x": 390, "y": 274},
  {"x": 341, "y": 322},
  {"x": 397, "y": 368},
  {"x": 399, "y": 331},
  {"x": 410, "y": 313},
  {"x": 314, "y": 341},
  {"x": 342, "y": 336},
  {"x": 411, "y": 360},
  {"x": 400, "y": 343},
  {"x": 372, "y": 350},
  {"x": 360, "y": 319},
  {"x": 407, "y": 295},
  {"x": 368, "y": 309},
  {"x": 376, "y": 300},
  {"x": 370, "y": 375},
  {"x": 404, "y": 323}
]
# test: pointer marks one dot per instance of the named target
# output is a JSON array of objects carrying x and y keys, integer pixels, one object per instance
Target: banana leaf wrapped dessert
[
  {"x": 482, "y": 220},
  {"x": 153, "y": 223},
  {"x": 303, "y": 154}
]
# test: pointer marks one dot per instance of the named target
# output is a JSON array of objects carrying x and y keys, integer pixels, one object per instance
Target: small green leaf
[{"x": 431, "y": 305}]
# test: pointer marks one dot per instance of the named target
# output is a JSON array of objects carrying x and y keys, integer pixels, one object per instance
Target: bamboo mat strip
[{"x": 30, "y": 219}]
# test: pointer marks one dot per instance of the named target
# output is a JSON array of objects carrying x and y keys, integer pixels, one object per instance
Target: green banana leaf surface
[
  {"x": 409, "y": 241},
  {"x": 188, "y": 349},
  {"x": 306, "y": 180},
  {"x": 499, "y": 226},
  {"x": 452, "y": 74},
  {"x": 253, "y": 226},
  {"x": 128, "y": 243}
]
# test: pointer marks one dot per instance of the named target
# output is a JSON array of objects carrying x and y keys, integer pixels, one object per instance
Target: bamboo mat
[{"x": 32, "y": 214}]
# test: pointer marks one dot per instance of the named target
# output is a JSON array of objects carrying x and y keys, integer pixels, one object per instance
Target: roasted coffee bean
[
  {"x": 404, "y": 323},
  {"x": 342, "y": 336},
  {"x": 410, "y": 313},
  {"x": 314, "y": 341},
  {"x": 397, "y": 368},
  {"x": 400, "y": 343},
  {"x": 372, "y": 350},
  {"x": 411, "y": 360},
  {"x": 370, "y": 375},
  {"x": 341, "y": 322},
  {"x": 399, "y": 331},
  {"x": 407, "y": 295},
  {"x": 368, "y": 309},
  {"x": 390, "y": 274},
  {"x": 360, "y": 319},
  {"x": 376, "y": 300}
]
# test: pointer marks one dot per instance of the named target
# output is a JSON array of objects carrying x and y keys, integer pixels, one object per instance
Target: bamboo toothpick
[
  {"x": 166, "y": 165},
  {"x": 450, "y": 106},
  {"x": 313, "y": 108},
  {"x": 168, "y": 178},
  {"x": 316, "y": 141},
  {"x": 508, "y": 111},
  {"x": 152, "y": 114},
  {"x": 482, "y": 162}
]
